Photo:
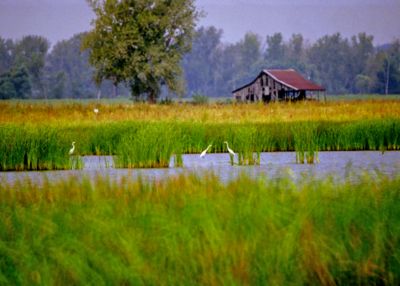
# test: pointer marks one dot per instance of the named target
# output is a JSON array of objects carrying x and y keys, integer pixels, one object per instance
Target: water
[{"x": 341, "y": 165}]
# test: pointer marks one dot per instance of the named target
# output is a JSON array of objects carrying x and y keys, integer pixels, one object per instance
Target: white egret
[
  {"x": 71, "y": 151},
  {"x": 205, "y": 151},
  {"x": 96, "y": 110},
  {"x": 229, "y": 149}
]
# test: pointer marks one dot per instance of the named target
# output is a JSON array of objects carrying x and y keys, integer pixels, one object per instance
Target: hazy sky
[{"x": 60, "y": 19}]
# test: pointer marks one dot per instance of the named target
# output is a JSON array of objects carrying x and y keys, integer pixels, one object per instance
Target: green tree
[
  {"x": 229, "y": 60},
  {"x": 361, "y": 50},
  {"x": 201, "y": 65},
  {"x": 31, "y": 52},
  {"x": 275, "y": 53},
  {"x": 56, "y": 85},
  {"x": 15, "y": 84},
  {"x": 7, "y": 89},
  {"x": 363, "y": 83},
  {"x": 295, "y": 52},
  {"x": 141, "y": 42},
  {"x": 6, "y": 55},
  {"x": 250, "y": 57},
  {"x": 388, "y": 74},
  {"x": 68, "y": 72},
  {"x": 330, "y": 57}
]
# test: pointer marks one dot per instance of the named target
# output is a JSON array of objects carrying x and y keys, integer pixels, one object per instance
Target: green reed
[
  {"x": 305, "y": 142},
  {"x": 195, "y": 229},
  {"x": 247, "y": 144},
  {"x": 151, "y": 146},
  {"x": 34, "y": 148},
  {"x": 27, "y": 147}
]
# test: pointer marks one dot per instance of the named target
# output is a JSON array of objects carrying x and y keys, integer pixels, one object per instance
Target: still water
[{"x": 341, "y": 165}]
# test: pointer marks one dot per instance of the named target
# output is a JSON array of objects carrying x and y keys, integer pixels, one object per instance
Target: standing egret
[
  {"x": 231, "y": 153},
  {"x": 229, "y": 149},
  {"x": 205, "y": 151},
  {"x": 71, "y": 151},
  {"x": 96, "y": 110}
]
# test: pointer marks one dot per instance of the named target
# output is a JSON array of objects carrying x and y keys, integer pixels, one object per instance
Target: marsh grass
[
  {"x": 305, "y": 142},
  {"x": 151, "y": 146},
  {"x": 195, "y": 229},
  {"x": 75, "y": 163},
  {"x": 33, "y": 148},
  {"x": 247, "y": 145}
]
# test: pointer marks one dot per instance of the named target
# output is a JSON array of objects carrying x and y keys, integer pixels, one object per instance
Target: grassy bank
[{"x": 196, "y": 230}]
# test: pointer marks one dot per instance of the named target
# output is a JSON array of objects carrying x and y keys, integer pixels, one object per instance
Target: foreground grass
[{"x": 197, "y": 230}]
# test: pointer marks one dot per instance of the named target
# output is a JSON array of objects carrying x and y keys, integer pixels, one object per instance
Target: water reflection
[{"x": 339, "y": 164}]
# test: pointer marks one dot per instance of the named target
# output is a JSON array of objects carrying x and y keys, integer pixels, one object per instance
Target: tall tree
[
  {"x": 250, "y": 57},
  {"x": 295, "y": 52},
  {"x": 229, "y": 59},
  {"x": 6, "y": 55},
  {"x": 15, "y": 84},
  {"x": 201, "y": 65},
  {"x": 31, "y": 52},
  {"x": 389, "y": 72},
  {"x": 275, "y": 52},
  {"x": 361, "y": 50},
  {"x": 141, "y": 42},
  {"x": 69, "y": 73},
  {"x": 330, "y": 58}
]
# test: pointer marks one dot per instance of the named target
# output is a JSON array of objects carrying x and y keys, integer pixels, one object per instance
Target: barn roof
[
  {"x": 289, "y": 78},
  {"x": 293, "y": 79}
]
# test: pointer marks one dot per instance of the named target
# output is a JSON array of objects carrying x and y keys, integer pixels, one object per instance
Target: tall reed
[
  {"x": 33, "y": 148},
  {"x": 247, "y": 144},
  {"x": 151, "y": 146},
  {"x": 25, "y": 147},
  {"x": 305, "y": 142}
]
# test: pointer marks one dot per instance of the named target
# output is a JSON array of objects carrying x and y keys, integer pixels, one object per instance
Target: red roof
[
  {"x": 293, "y": 80},
  {"x": 289, "y": 78}
]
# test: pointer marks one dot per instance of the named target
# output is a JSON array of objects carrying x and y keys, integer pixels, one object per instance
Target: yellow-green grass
[
  {"x": 77, "y": 113},
  {"x": 194, "y": 229}
]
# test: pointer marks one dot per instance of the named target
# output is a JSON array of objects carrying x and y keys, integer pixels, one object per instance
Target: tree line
[
  {"x": 30, "y": 69},
  {"x": 339, "y": 64}
]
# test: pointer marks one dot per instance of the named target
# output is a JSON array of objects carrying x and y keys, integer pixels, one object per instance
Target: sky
[{"x": 61, "y": 19}]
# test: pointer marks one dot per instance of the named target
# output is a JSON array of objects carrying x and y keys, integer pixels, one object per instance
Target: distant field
[
  {"x": 346, "y": 97},
  {"x": 68, "y": 112}
]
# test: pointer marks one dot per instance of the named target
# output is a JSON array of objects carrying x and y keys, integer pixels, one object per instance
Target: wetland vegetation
[
  {"x": 197, "y": 228},
  {"x": 38, "y": 137}
]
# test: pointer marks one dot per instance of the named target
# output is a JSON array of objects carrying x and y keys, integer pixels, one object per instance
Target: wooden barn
[{"x": 277, "y": 85}]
